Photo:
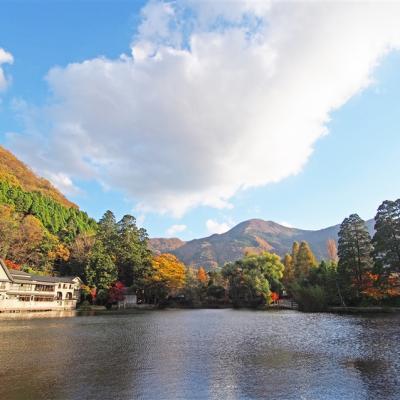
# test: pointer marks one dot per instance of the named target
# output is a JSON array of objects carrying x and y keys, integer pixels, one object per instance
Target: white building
[{"x": 20, "y": 291}]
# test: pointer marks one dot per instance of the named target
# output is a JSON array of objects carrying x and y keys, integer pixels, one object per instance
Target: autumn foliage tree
[
  {"x": 165, "y": 278},
  {"x": 202, "y": 275},
  {"x": 305, "y": 260},
  {"x": 288, "y": 274},
  {"x": 331, "y": 249}
]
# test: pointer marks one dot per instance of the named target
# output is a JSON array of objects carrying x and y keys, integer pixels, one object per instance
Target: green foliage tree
[
  {"x": 354, "y": 253},
  {"x": 386, "y": 240},
  {"x": 107, "y": 232},
  {"x": 100, "y": 271},
  {"x": 132, "y": 254},
  {"x": 55, "y": 217},
  {"x": 251, "y": 279}
]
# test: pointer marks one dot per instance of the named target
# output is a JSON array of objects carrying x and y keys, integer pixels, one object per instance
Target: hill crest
[{"x": 16, "y": 172}]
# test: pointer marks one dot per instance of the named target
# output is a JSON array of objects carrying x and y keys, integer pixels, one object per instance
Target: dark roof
[
  {"x": 53, "y": 279},
  {"x": 41, "y": 278},
  {"x": 15, "y": 275},
  {"x": 16, "y": 272}
]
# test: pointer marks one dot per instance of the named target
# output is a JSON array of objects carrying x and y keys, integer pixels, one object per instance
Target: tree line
[
  {"x": 112, "y": 257},
  {"x": 363, "y": 271}
]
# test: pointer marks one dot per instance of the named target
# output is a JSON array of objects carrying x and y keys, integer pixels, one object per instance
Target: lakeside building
[{"x": 21, "y": 291}]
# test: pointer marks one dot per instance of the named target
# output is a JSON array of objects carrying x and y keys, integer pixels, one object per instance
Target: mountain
[
  {"x": 254, "y": 235},
  {"x": 23, "y": 193},
  {"x": 17, "y": 173}
]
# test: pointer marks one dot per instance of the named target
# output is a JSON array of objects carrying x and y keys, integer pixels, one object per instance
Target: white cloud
[
  {"x": 62, "y": 182},
  {"x": 233, "y": 97},
  {"x": 174, "y": 229},
  {"x": 217, "y": 227},
  {"x": 5, "y": 58},
  {"x": 284, "y": 223}
]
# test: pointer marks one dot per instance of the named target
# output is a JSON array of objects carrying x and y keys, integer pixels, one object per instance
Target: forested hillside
[
  {"x": 37, "y": 223},
  {"x": 17, "y": 173},
  {"x": 44, "y": 233}
]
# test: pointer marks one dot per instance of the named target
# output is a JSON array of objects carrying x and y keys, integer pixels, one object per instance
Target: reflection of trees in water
[
  {"x": 377, "y": 363},
  {"x": 216, "y": 354},
  {"x": 376, "y": 377}
]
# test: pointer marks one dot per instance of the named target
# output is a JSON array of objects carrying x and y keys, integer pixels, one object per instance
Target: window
[
  {"x": 43, "y": 298},
  {"x": 45, "y": 288},
  {"x": 24, "y": 298},
  {"x": 69, "y": 296}
]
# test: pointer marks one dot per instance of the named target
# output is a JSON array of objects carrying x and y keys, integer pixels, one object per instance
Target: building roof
[{"x": 22, "y": 276}]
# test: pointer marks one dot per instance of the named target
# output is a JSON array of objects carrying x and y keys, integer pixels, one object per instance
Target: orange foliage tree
[
  {"x": 166, "y": 277},
  {"x": 202, "y": 275}
]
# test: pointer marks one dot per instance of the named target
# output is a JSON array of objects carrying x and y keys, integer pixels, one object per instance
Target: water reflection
[{"x": 198, "y": 354}]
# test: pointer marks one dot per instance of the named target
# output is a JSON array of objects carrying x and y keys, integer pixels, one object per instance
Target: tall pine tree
[
  {"x": 133, "y": 256},
  {"x": 355, "y": 261},
  {"x": 386, "y": 240}
]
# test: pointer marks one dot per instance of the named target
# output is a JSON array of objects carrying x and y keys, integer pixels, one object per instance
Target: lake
[{"x": 201, "y": 354}]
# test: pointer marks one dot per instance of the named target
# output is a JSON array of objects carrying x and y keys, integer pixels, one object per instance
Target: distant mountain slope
[
  {"x": 18, "y": 173},
  {"x": 254, "y": 235},
  {"x": 160, "y": 245}
]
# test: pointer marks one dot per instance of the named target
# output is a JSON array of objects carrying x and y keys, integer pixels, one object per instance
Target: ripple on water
[{"x": 199, "y": 354}]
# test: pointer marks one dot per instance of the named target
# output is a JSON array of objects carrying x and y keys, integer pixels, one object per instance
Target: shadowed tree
[
  {"x": 354, "y": 257},
  {"x": 386, "y": 240}
]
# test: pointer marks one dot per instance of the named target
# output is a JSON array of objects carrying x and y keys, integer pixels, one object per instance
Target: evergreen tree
[
  {"x": 107, "y": 232},
  {"x": 305, "y": 260},
  {"x": 354, "y": 257},
  {"x": 100, "y": 271},
  {"x": 133, "y": 256},
  {"x": 386, "y": 240}
]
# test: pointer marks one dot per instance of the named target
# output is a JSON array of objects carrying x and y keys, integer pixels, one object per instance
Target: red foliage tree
[
  {"x": 274, "y": 297},
  {"x": 116, "y": 292},
  {"x": 12, "y": 265}
]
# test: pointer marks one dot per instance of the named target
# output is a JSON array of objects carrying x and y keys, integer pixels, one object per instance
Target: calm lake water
[{"x": 201, "y": 354}]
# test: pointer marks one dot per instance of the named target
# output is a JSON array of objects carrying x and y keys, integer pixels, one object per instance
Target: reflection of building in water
[{"x": 20, "y": 291}]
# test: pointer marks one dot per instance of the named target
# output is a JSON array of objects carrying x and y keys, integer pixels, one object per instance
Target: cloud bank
[
  {"x": 5, "y": 58},
  {"x": 215, "y": 97}
]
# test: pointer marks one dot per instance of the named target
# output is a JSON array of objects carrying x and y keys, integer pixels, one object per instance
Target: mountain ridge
[{"x": 254, "y": 235}]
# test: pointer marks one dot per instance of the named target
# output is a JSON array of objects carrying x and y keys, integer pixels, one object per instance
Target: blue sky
[{"x": 351, "y": 169}]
